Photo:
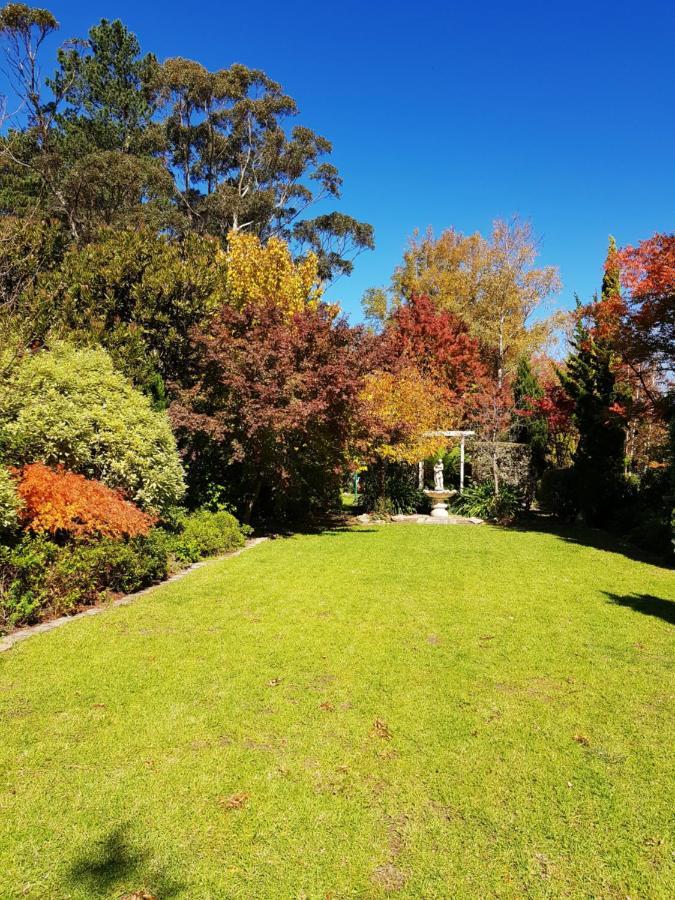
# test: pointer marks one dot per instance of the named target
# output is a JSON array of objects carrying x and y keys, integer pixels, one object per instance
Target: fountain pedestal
[{"x": 439, "y": 505}]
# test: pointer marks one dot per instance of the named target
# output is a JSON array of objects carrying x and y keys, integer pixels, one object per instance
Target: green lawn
[{"x": 421, "y": 711}]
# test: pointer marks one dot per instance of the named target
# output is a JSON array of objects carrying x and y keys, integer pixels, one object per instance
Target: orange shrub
[{"x": 60, "y": 502}]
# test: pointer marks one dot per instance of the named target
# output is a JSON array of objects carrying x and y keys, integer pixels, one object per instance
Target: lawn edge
[{"x": 15, "y": 637}]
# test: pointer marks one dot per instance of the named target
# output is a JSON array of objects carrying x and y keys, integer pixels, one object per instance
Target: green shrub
[
  {"x": 24, "y": 592},
  {"x": 39, "y": 578},
  {"x": 9, "y": 502},
  {"x": 557, "y": 493},
  {"x": 70, "y": 406},
  {"x": 206, "y": 533},
  {"x": 480, "y": 501},
  {"x": 401, "y": 491}
]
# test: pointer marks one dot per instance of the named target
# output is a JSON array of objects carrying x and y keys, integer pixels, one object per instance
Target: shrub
[
  {"x": 206, "y": 533},
  {"x": 39, "y": 578},
  {"x": 557, "y": 493},
  {"x": 480, "y": 500},
  {"x": 61, "y": 503},
  {"x": 400, "y": 483},
  {"x": 68, "y": 406},
  {"x": 9, "y": 501}
]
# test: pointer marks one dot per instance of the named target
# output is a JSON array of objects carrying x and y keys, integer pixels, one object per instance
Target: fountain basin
[{"x": 439, "y": 504}]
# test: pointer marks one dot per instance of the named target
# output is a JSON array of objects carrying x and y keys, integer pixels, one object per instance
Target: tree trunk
[
  {"x": 248, "y": 512},
  {"x": 495, "y": 468}
]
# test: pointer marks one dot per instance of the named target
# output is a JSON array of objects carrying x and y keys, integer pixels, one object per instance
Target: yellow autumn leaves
[
  {"x": 402, "y": 408},
  {"x": 261, "y": 273}
]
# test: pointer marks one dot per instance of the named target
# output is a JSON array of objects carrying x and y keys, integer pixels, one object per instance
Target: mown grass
[{"x": 406, "y": 710}]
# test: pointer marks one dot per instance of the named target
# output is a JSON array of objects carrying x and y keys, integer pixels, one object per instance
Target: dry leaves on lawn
[{"x": 235, "y": 801}]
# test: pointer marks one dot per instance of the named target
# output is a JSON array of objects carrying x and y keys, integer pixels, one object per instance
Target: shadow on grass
[
  {"x": 588, "y": 537},
  {"x": 114, "y": 863},
  {"x": 647, "y": 604},
  {"x": 329, "y": 523}
]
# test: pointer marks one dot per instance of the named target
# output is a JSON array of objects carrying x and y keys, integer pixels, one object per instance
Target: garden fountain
[{"x": 440, "y": 495}]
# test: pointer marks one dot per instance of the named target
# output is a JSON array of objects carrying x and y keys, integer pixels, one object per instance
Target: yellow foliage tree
[
  {"x": 401, "y": 408},
  {"x": 492, "y": 284},
  {"x": 260, "y": 273}
]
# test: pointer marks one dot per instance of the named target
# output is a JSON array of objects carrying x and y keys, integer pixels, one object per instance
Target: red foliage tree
[
  {"x": 58, "y": 502},
  {"x": 648, "y": 273},
  {"x": 557, "y": 408},
  {"x": 271, "y": 406},
  {"x": 438, "y": 344}
]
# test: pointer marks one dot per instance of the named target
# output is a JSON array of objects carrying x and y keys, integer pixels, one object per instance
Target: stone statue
[{"x": 438, "y": 475}]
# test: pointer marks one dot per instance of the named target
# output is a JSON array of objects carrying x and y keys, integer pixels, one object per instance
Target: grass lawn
[{"x": 411, "y": 710}]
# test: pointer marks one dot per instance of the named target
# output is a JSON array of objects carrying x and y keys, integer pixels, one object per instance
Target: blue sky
[{"x": 446, "y": 113}]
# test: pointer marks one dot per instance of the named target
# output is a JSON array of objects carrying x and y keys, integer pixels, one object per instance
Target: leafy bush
[
  {"x": 206, "y": 533},
  {"x": 9, "y": 501},
  {"x": 480, "y": 500},
  {"x": 62, "y": 503},
  {"x": 557, "y": 493},
  {"x": 400, "y": 484},
  {"x": 39, "y": 578},
  {"x": 71, "y": 407}
]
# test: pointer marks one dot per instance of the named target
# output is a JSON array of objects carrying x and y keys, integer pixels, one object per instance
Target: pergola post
[{"x": 462, "y": 435}]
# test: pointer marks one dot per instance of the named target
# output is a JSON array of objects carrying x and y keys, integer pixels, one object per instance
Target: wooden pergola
[{"x": 462, "y": 435}]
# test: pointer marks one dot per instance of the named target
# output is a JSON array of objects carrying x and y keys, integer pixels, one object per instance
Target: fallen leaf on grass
[
  {"x": 139, "y": 895},
  {"x": 327, "y": 706},
  {"x": 274, "y": 682},
  {"x": 582, "y": 739},
  {"x": 235, "y": 801},
  {"x": 380, "y": 729}
]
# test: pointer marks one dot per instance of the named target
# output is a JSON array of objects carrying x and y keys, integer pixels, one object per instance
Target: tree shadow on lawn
[
  {"x": 647, "y": 604},
  {"x": 588, "y": 537},
  {"x": 114, "y": 863}
]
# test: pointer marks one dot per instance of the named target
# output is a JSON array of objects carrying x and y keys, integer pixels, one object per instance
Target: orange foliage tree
[
  {"x": 400, "y": 409},
  {"x": 59, "y": 502}
]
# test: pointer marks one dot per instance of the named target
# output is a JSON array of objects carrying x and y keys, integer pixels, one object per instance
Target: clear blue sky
[{"x": 447, "y": 113}]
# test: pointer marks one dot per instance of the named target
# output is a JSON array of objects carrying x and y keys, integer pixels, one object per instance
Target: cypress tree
[
  {"x": 530, "y": 429},
  {"x": 611, "y": 281},
  {"x": 590, "y": 381}
]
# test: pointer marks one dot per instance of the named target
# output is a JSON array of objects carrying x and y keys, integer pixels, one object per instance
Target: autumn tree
[
  {"x": 269, "y": 411},
  {"x": 401, "y": 409},
  {"x": 438, "y": 344},
  {"x": 635, "y": 323},
  {"x": 492, "y": 284},
  {"x": 262, "y": 273},
  {"x": 648, "y": 275}
]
